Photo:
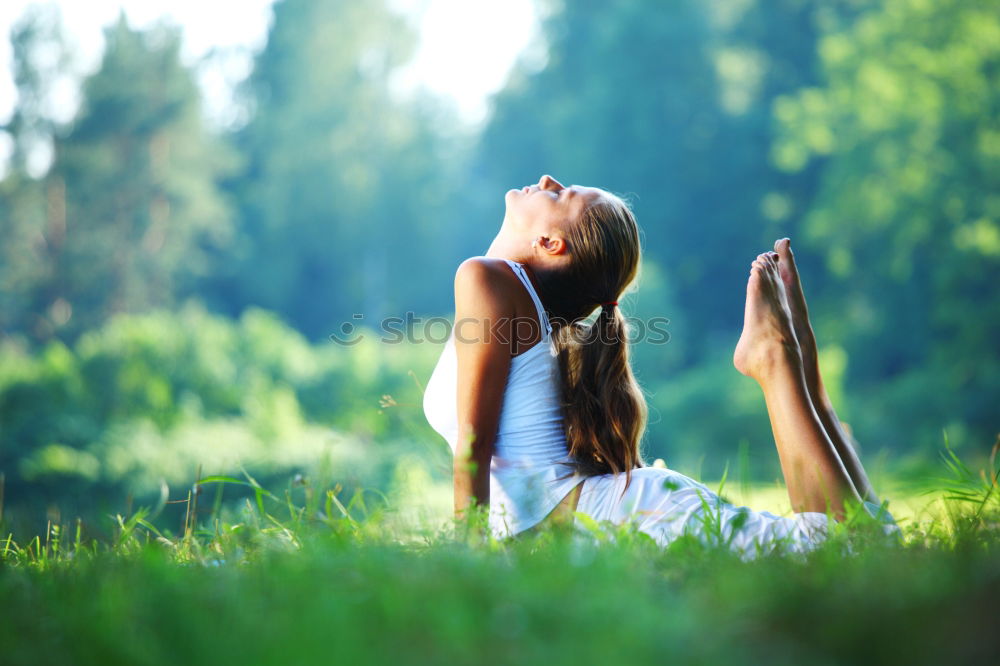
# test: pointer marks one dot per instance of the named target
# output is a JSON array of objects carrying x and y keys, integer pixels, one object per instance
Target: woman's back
[{"x": 531, "y": 471}]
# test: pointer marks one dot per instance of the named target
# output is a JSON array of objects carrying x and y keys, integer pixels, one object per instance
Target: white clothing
[
  {"x": 667, "y": 505},
  {"x": 531, "y": 471}
]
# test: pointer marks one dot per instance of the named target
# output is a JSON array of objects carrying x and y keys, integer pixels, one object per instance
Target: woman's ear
[{"x": 552, "y": 246}]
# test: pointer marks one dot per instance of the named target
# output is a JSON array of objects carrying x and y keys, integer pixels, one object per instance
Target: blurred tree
[
  {"x": 22, "y": 271},
  {"x": 768, "y": 49},
  {"x": 39, "y": 61},
  {"x": 908, "y": 215},
  {"x": 116, "y": 223},
  {"x": 156, "y": 395},
  {"x": 344, "y": 184},
  {"x": 139, "y": 171}
]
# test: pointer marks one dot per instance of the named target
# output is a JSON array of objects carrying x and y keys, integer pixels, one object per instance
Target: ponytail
[
  {"x": 603, "y": 408},
  {"x": 604, "y": 412}
]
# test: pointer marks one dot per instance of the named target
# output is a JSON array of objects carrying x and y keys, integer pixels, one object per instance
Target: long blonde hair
[{"x": 604, "y": 410}]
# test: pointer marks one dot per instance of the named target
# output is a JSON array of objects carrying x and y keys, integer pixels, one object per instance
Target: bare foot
[
  {"x": 768, "y": 335},
  {"x": 797, "y": 306}
]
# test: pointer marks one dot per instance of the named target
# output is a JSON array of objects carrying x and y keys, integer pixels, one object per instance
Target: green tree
[
  {"x": 133, "y": 185},
  {"x": 908, "y": 216},
  {"x": 344, "y": 183},
  {"x": 117, "y": 224},
  {"x": 40, "y": 59}
]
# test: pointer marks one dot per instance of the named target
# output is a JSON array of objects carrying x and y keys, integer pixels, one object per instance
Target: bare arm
[{"x": 483, "y": 311}]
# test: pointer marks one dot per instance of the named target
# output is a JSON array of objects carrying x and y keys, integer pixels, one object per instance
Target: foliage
[
  {"x": 866, "y": 131},
  {"x": 117, "y": 223},
  {"x": 343, "y": 190},
  {"x": 151, "y": 398},
  {"x": 908, "y": 217}
]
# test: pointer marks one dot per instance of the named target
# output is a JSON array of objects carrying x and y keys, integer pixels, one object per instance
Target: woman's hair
[{"x": 603, "y": 407}]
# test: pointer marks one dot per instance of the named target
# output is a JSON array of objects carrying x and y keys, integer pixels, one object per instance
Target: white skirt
[{"x": 667, "y": 505}]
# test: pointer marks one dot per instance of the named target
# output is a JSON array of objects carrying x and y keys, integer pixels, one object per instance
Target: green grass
[{"x": 321, "y": 577}]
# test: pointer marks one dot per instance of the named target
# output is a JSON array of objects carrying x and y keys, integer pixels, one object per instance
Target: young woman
[{"x": 543, "y": 413}]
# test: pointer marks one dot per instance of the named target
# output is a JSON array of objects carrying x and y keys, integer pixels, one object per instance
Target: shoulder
[
  {"x": 478, "y": 270},
  {"x": 486, "y": 279}
]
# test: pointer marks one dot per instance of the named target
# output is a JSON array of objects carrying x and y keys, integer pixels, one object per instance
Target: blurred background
[{"x": 195, "y": 196}]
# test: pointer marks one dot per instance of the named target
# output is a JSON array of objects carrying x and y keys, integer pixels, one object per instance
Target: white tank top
[{"x": 531, "y": 471}]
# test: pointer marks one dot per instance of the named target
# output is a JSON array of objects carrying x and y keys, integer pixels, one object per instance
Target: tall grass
[{"x": 329, "y": 576}]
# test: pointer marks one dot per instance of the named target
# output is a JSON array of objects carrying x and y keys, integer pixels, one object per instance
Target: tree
[
  {"x": 140, "y": 174},
  {"x": 343, "y": 188},
  {"x": 40, "y": 59},
  {"x": 131, "y": 195},
  {"x": 907, "y": 216}
]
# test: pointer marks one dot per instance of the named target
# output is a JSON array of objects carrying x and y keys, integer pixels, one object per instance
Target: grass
[{"x": 307, "y": 577}]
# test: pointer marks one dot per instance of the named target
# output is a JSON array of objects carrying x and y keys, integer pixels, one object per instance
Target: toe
[{"x": 786, "y": 259}]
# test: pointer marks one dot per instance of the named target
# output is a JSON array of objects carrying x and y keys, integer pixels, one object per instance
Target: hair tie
[{"x": 609, "y": 304}]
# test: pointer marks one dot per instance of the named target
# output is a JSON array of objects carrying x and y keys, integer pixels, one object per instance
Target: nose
[{"x": 547, "y": 182}]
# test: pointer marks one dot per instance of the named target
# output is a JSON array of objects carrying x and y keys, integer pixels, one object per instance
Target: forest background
[{"x": 172, "y": 290}]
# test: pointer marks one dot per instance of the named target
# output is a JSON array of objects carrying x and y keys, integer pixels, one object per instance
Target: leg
[
  {"x": 769, "y": 352},
  {"x": 842, "y": 441}
]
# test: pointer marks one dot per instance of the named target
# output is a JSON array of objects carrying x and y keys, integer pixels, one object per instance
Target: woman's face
[{"x": 548, "y": 206}]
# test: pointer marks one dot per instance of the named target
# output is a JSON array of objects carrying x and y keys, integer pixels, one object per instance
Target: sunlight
[{"x": 466, "y": 48}]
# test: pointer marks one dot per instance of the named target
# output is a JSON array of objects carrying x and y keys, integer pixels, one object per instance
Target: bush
[{"x": 152, "y": 398}]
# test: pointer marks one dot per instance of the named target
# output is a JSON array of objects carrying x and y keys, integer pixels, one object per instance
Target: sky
[{"x": 466, "y": 50}]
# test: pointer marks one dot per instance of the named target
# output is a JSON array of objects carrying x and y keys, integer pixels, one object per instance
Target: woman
[{"x": 544, "y": 414}]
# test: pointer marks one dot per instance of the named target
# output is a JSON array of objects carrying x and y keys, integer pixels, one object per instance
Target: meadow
[
  {"x": 212, "y": 447},
  {"x": 335, "y": 576}
]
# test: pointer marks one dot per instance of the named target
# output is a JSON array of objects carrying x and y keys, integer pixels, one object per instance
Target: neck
[
  {"x": 515, "y": 249},
  {"x": 516, "y": 246}
]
